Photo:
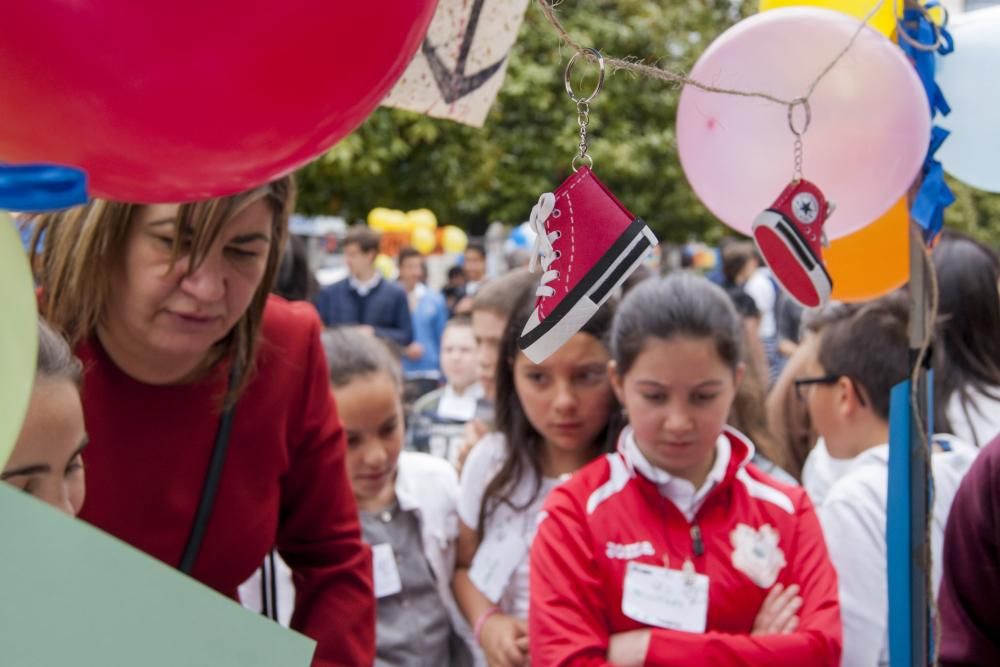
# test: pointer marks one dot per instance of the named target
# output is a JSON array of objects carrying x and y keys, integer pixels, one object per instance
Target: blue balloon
[
  {"x": 41, "y": 187},
  {"x": 968, "y": 77},
  {"x": 518, "y": 238}
]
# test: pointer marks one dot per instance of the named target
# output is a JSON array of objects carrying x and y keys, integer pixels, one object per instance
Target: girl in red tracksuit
[{"x": 676, "y": 550}]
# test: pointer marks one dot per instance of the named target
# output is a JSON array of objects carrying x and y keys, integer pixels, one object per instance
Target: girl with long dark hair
[
  {"x": 552, "y": 419},
  {"x": 968, "y": 354}
]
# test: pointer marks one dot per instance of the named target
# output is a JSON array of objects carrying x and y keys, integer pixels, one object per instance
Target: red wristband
[{"x": 481, "y": 621}]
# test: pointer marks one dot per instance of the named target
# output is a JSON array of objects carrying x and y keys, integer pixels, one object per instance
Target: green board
[
  {"x": 72, "y": 596},
  {"x": 18, "y": 336}
]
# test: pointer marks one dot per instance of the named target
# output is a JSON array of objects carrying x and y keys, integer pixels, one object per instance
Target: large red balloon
[{"x": 164, "y": 101}]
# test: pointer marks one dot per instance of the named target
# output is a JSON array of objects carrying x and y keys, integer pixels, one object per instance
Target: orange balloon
[{"x": 874, "y": 260}]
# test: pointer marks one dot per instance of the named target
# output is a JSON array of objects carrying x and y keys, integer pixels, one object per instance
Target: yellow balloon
[
  {"x": 377, "y": 218},
  {"x": 884, "y": 19},
  {"x": 385, "y": 266},
  {"x": 388, "y": 220},
  {"x": 396, "y": 221},
  {"x": 423, "y": 217},
  {"x": 937, "y": 14},
  {"x": 454, "y": 239},
  {"x": 424, "y": 240}
]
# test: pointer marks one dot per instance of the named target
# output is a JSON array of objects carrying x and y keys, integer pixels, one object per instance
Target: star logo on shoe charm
[
  {"x": 790, "y": 238},
  {"x": 806, "y": 207}
]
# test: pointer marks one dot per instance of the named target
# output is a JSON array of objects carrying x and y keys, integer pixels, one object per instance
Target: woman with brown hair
[{"x": 213, "y": 434}]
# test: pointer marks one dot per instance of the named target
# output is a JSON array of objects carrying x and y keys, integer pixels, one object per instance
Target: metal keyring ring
[
  {"x": 938, "y": 36},
  {"x": 600, "y": 77},
  {"x": 584, "y": 160},
  {"x": 804, "y": 103}
]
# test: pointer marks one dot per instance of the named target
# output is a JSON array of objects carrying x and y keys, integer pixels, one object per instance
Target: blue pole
[
  {"x": 908, "y": 552},
  {"x": 898, "y": 532}
]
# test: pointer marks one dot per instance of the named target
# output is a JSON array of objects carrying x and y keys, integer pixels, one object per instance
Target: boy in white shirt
[
  {"x": 438, "y": 419},
  {"x": 862, "y": 354}
]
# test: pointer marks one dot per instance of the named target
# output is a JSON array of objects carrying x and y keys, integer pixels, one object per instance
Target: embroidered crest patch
[{"x": 756, "y": 553}]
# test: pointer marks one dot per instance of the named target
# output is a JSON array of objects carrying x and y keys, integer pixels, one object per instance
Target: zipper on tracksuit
[
  {"x": 697, "y": 546},
  {"x": 694, "y": 530}
]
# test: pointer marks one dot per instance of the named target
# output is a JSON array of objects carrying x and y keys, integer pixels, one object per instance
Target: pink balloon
[
  {"x": 870, "y": 124},
  {"x": 186, "y": 99}
]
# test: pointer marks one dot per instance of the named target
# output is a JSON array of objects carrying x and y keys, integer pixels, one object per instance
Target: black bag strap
[{"x": 211, "y": 487}]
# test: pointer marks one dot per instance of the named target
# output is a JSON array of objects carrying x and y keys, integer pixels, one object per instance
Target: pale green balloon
[{"x": 18, "y": 335}]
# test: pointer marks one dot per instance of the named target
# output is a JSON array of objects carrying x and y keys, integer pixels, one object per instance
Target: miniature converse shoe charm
[
  {"x": 756, "y": 553},
  {"x": 585, "y": 240},
  {"x": 587, "y": 244},
  {"x": 790, "y": 238},
  {"x": 789, "y": 234}
]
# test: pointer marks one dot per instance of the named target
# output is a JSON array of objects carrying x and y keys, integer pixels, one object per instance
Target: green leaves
[{"x": 974, "y": 212}]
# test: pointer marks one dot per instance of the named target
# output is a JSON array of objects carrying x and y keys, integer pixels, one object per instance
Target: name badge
[
  {"x": 387, "y": 581},
  {"x": 665, "y": 598},
  {"x": 496, "y": 559}
]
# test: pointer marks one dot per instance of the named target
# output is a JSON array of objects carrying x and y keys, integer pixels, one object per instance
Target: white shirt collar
[
  {"x": 459, "y": 408},
  {"x": 414, "y": 296},
  {"x": 679, "y": 491},
  {"x": 365, "y": 288}
]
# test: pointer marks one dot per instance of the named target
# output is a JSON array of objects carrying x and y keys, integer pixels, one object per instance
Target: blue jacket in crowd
[
  {"x": 429, "y": 320},
  {"x": 384, "y": 308}
]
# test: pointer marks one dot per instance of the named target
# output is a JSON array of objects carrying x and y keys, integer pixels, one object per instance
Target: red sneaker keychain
[
  {"x": 790, "y": 233},
  {"x": 587, "y": 242}
]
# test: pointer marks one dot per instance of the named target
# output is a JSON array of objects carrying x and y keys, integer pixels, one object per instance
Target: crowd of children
[{"x": 597, "y": 508}]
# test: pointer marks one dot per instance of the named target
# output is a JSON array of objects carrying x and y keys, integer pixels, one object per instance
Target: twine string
[{"x": 680, "y": 79}]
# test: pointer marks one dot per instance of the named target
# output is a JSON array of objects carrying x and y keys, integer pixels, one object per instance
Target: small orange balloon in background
[{"x": 874, "y": 260}]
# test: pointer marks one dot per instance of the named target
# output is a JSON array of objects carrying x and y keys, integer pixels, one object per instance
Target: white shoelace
[
  {"x": 540, "y": 212},
  {"x": 830, "y": 208}
]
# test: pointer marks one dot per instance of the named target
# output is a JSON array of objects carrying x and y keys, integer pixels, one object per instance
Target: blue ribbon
[
  {"x": 41, "y": 187},
  {"x": 921, "y": 30},
  {"x": 934, "y": 195}
]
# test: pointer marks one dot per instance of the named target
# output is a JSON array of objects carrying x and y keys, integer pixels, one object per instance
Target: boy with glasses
[{"x": 863, "y": 352}]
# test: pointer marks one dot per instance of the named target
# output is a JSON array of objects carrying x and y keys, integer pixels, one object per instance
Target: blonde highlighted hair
[{"x": 82, "y": 248}]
